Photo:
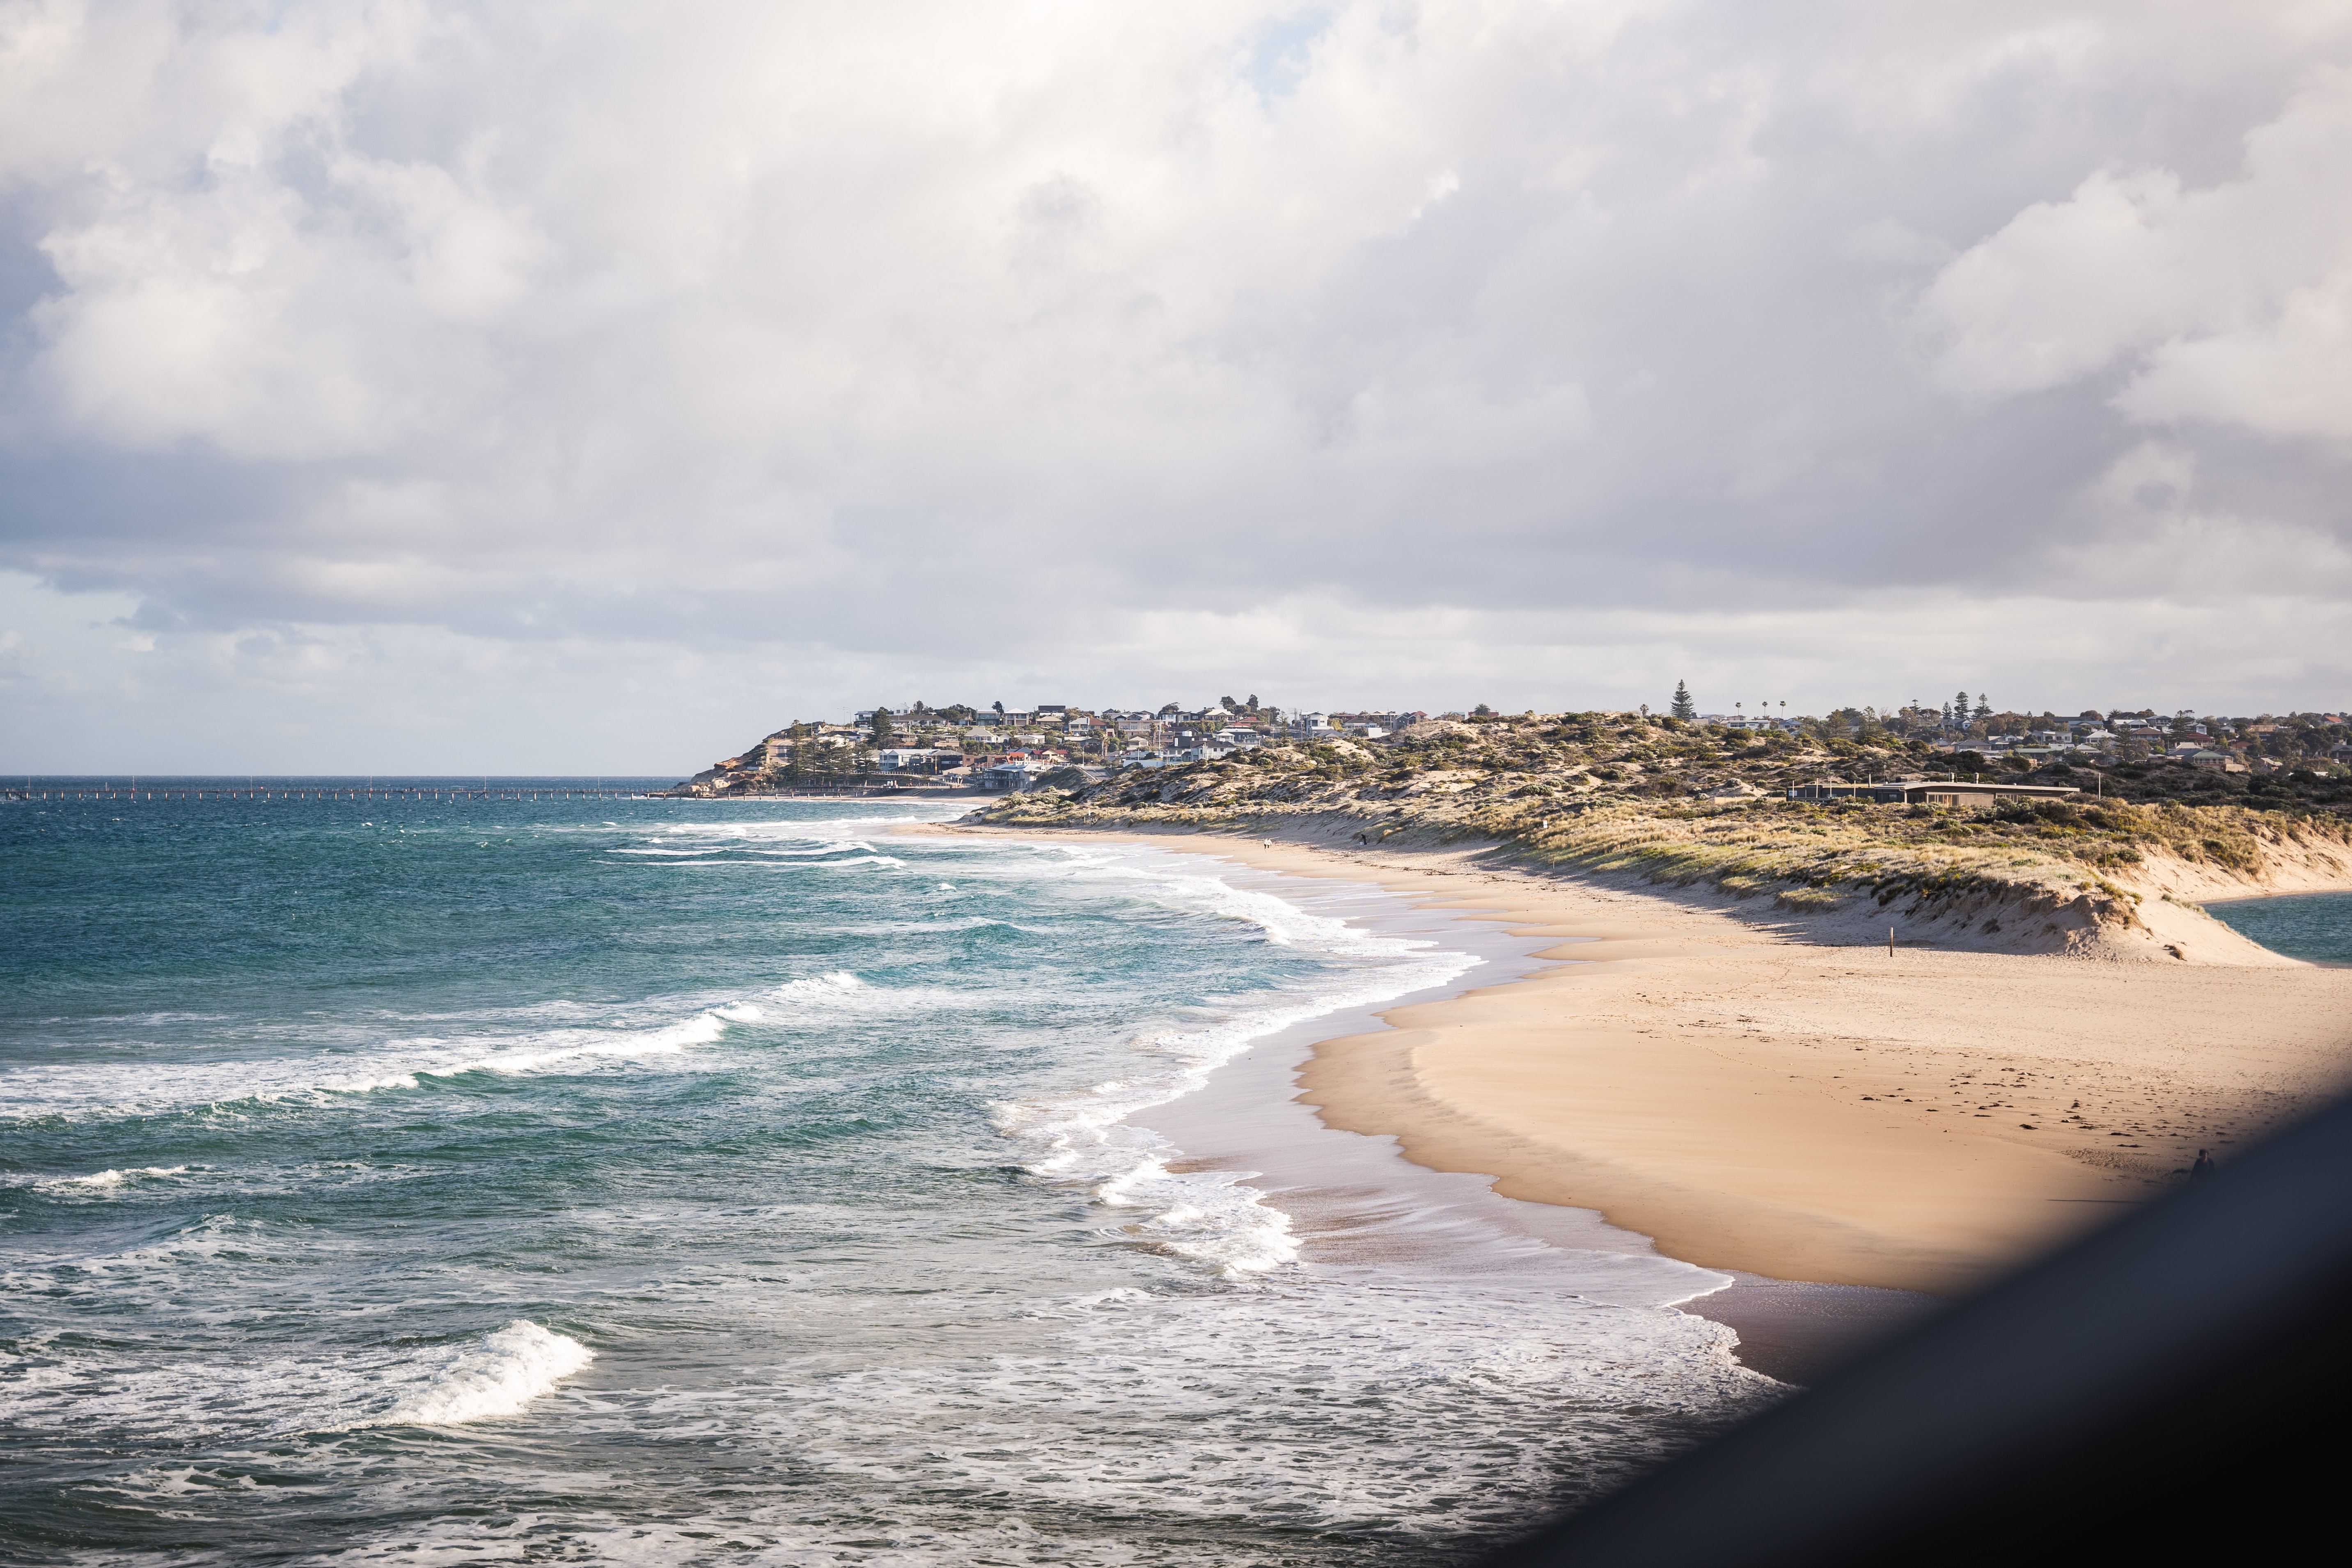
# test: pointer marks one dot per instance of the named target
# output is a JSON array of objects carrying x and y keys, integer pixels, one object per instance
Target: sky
[{"x": 595, "y": 387}]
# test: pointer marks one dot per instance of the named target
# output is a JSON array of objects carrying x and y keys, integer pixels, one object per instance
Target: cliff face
[
  {"x": 2093, "y": 878},
  {"x": 765, "y": 763}
]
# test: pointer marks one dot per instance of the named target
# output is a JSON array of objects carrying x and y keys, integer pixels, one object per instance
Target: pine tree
[
  {"x": 881, "y": 728},
  {"x": 1684, "y": 707}
]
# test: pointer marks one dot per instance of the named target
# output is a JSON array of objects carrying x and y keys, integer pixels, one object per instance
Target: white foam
[
  {"x": 790, "y": 845},
  {"x": 111, "y": 1178},
  {"x": 506, "y": 1371},
  {"x": 1420, "y": 1409},
  {"x": 382, "y": 1385},
  {"x": 575, "y": 1045},
  {"x": 143, "y": 1089},
  {"x": 819, "y": 988},
  {"x": 1207, "y": 1216}
]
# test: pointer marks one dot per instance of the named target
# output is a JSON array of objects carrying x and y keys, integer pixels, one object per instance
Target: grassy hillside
[{"x": 1693, "y": 804}]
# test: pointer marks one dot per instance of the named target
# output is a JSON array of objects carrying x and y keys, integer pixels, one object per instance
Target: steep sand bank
[{"x": 1753, "y": 1095}]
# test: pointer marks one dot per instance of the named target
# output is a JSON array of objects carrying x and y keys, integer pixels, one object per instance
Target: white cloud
[
  {"x": 2290, "y": 375},
  {"x": 2226, "y": 302},
  {"x": 2064, "y": 289},
  {"x": 867, "y": 333},
  {"x": 2147, "y": 528}
]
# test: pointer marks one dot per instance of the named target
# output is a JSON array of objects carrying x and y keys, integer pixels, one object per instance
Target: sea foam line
[
  {"x": 1208, "y": 1215},
  {"x": 399, "y": 1064},
  {"x": 505, "y": 1371},
  {"x": 105, "y": 1179},
  {"x": 580, "y": 1045},
  {"x": 486, "y": 1379}
]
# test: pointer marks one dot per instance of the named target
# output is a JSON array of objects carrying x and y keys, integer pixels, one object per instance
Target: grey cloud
[{"x": 855, "y": 332}]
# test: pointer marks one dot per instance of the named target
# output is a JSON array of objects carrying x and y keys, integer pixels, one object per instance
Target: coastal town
[
  {"x": 2098, "y": 832},
  {"x": 1067, "y": 748}
]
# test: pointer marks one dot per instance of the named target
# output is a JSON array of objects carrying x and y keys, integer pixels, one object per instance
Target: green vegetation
[{"x": 1699, "y": 804}]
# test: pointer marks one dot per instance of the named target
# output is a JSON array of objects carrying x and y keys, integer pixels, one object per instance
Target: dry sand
[{"x": 1754, "y": 1098}]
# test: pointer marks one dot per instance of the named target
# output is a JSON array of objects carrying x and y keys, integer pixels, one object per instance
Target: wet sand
[{"x": 1919, "y": 1122}]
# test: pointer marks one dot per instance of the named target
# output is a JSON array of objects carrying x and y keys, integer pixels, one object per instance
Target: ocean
[
  {"x": 468, "y": 1180},
  {"x": 2317, "y": 927}
]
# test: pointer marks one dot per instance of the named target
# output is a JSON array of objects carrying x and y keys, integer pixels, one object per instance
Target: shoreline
[
  {"x": 1357, "y": 1204},
  {"x": 2280, "y": 919},
  {"x": 1759, "y": 1104}
]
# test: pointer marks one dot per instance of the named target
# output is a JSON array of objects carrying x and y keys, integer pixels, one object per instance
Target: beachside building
[
  {"x": 1015, "y": 772},
  {"x": 1932, "y": 792},
  {"x": 924, "y": 759}
]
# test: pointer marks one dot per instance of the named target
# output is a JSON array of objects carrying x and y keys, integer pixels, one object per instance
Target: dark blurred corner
[{"x": 2176, "y": 1385}]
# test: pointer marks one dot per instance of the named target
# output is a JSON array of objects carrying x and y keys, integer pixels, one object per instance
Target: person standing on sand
[{"x": 2204, "y": 1167}]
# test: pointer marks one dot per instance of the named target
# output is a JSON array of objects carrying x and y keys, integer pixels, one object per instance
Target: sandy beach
[{"x": 1754, "y": 1096}]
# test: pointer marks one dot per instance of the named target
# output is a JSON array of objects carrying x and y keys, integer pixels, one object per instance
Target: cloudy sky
[{"x": 590, "y": 386}]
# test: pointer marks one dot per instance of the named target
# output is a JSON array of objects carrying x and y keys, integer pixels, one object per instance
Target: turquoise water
[
  {"x": 679, "y": 1182},
  {"x": 2314, "y": 926}
]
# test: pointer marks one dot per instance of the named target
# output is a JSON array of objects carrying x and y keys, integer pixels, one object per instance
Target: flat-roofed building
[
  {"x": 921, "y": 758},
  {"x": 1932, "y": 792}
]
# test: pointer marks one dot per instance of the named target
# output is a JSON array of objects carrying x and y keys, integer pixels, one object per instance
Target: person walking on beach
[{"x": 2204, "y": 1167}]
